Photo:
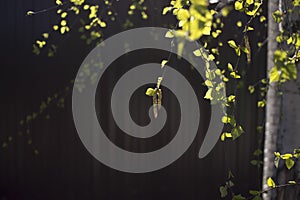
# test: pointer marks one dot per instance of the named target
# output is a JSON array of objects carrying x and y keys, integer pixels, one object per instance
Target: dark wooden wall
[{"x": 64, "y": 169}]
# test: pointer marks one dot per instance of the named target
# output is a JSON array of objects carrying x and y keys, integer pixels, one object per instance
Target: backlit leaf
[{"x": 271, "y": 183}]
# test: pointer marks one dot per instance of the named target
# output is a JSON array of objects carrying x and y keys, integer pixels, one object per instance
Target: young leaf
[
  {"x": 261, "y": 104},
  {"x": 277, "y": 16},
  {"x": 229, "y": 66},
  {"x": 169, "y": 34},
  {"x": 232, "y": 44},
  {"x": 197, "y": 52},
  {"x": 286, "y": 156},
  {"x": 238, "y": 5},
  {"x": 271, "y": 183},
  {"x": 150, "y": 92},
  {"x": 223, "y": 191},
  {"x": 238, "y": 197},
  {"x": 163, "y": 63},
  {"x": 166, "y": 10},
  {"x": 235, "y": 75},
  {"x": 237, "y": 132},
  {"x": 296, "y": 153},
  {"x": 292, "y": 182},
  {"x": 254, "y": 192},
  {"x": 251, "y": 89},
  {"x": 29, "y": 13},
  {"x": 274, "y": 74},
  {"x": 289, "y": 163}
]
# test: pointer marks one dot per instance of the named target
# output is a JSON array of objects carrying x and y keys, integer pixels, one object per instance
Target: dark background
[{"x": 49, "y": 161}]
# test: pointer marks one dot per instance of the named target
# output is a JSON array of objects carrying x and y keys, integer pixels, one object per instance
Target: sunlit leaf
[
  {"x": 277, "y": 16},
  {"x": 163, "y": 63},
  {"x": 289, "y": 163},
  {"x": 169, "y": 34},
  {"x": 271, "y": 183},
  {"x": 150, "y": 92},
  {"x": 292, "y": 182},
  {"x": 29, "y": 13},
  {"x": 238, "y": 5},
  {"x": 58, "y": 2}
]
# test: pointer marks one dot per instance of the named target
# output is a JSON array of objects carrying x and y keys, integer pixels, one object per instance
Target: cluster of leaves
[
  {"x": 138, "y": 6},
  {"x": 227, "y": 190},
  {"x": 286, "y": 57},
  {"x": 284, "y": 66},
  {"x": 57, "y": 99},
  {"x": 288, "y": 158},
  {"x": 194, "y": 17},
  {"x": 258, "y": 152},
  {"x": 262, "y": 85},
  {"x": 93, "y": 21},
  {"x": 195, "y": 20},
  {"x": 249, "y": 7}
]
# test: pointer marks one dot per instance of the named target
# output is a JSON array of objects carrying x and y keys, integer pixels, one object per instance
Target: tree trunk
[
  {"x": 282, "y": 119},
  {"x": 273, "y": 105}
]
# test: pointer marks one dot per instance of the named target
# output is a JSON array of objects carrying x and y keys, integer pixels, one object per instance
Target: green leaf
[
  {"x": 235, "y": 75},
  {"x": 197, "y": 52},
  {"x": 274, "y": 74},
  {"x": 231, "y": 99},
  {"x": 249, "y": 2},
  {"x": 296, "y": 153},
  {"x": 223, "y": 191},
  {"x": 36, "y": 49},
  {"x": 289, "y": 71},
  {"x": 292, "y": 182},
  {"x": 257, "y": 198},
  {"x": 238, "y": 5},
  {"x": 208, "y": 94},
  {"x": 46, "y": 35},
  {"x": 227, "y": 119},
  {"x": 183, "y": 14},
  {"x": 289, "y": 163},
  {"x": 208, "y": 83},
  {"x": 262, "y": 19},
  {"x": 276, "y": 161},
  {"x": 249, "y": 28},
  {"x": 230, "y": 184},
  {"x": 286, "y": 156},
  {"x": 169, "y": 34},
  {"x": 64, "y": 15},
  {"x": 238, "y": 197},
  {"x": 254, "y": 192},
  {"x": 237, "y": 132},
  {"x": 232, "y": 44},
  {"x": 277, "y": 16},
  {"x": 58, "y": 2},
  {"x": 277, "y": 154},
  {"x": 257, "y": 152},
  {"x": 163, "y": 63},
  {"x": 254, "y": 10},
  {"x": 166, "y": 10},
  {"x": 30, "y": 13},
  {"x": 251, "y": 89},
  {"x": 225, "y": 135},
  {"x": 271, "y": 183},
  {"x": 254, "y": 162},
  {"x": 229, "y": 66},
  {"x": 150, "y": 92},
  {"x": 261, "y": 104}
]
